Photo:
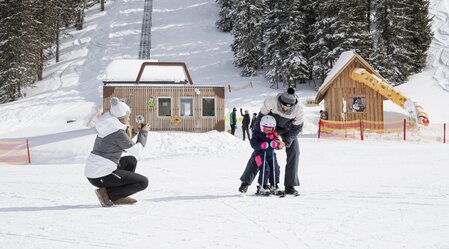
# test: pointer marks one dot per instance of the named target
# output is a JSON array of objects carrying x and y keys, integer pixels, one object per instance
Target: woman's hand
[{"x": 146, "y": 127}]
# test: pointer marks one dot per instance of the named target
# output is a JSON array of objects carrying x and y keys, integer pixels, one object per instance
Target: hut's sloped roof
[
  {"x": 127, "y": 70},
  {"x": 345, "y": 59}
]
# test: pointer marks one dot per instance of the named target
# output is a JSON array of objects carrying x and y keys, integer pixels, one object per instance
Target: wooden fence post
[
  {"x": 444, "y": 127},
  {"x": 405, "y": 129},
  {"x": 319, "y": 129},
  {"x": 28, "y": 151},
  {"x": 361, "y": 129}
]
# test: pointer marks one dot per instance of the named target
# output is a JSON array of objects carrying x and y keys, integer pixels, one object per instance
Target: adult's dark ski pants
[
  {"x": 245, "y": 130},
  {"x": 232, "y": 129},
  {"x": 291, "y": 178},
  {"x": 123, "y": 181}
]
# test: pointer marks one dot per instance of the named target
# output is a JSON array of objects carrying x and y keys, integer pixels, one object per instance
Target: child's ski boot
[{"x": 263, "y": 190}]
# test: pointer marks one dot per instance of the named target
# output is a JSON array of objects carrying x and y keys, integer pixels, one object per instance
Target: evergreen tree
[
  {"x": 28, "y": 30},
  {"x": 341, "y": 25},
  {"x": 46, "y": 13},
  {"x": 247, "y": 31},
  {"x": 324, "y": 36},
  {"x": 353, "y": 28},
  {"x": 80, "y": 8},
  {"x": 421, "y": 33},
  {"x": 18, "y": 46},
  {"x": 310, "y": 9},
  {"x": 295, "y": 63},
  {"x": 276, "y": 36},
  {"x": 379, "y": 57},
  {"x": 397, "y": 36},
  {"x": 225, "y": 20}
]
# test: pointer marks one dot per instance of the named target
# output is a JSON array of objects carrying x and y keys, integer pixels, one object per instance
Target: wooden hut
[
  {"x": 164, "y": 94},
  {"x": 347, "y": 99}
]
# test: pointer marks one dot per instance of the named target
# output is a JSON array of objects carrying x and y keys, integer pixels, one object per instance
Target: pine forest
[{"x": 298, "y": 41}]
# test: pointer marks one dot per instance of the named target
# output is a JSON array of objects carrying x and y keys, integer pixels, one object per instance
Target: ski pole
[
  {"x": 263, "y": 167},
  {"x": 273, "y": 167}
]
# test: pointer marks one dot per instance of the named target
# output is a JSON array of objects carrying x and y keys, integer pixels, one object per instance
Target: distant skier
[
  {"x": 105, "y": 168},
  {"x": 245, "y": 123},
  {"x": 288, "y": 112},
  {"x": 264, "y": 141},
  {"x": 233, "y": 120}
]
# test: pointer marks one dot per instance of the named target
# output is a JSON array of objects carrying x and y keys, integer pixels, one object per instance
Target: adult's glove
[{"x": 281, "y": 145}]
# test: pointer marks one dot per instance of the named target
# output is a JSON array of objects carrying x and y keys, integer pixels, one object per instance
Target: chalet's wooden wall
[
  {"x": 140, "y": 95},
  {"x": 345, "y": 87}
]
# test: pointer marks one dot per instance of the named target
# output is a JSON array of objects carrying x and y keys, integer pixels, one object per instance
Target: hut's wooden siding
[
  {"x": 344, "y": 87},
  {"x": 140, "y": 97}
]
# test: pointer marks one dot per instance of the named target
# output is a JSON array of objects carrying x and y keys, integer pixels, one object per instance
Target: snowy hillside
[{"x": 354, "y": 194}]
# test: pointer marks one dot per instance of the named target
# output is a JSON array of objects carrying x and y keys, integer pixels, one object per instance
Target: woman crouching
[{"x": 105, "y": 168}]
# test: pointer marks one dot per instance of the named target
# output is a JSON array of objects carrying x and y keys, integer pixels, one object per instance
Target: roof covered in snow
[
  {"x": 343, "y": 61},
  {"x": 126, "y": 71}
]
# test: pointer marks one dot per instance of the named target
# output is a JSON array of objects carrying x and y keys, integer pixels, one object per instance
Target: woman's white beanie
[{"x": 119, "y": 109}]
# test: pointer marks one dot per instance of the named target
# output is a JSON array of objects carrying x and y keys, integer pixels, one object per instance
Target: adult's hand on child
[{"x": 281, "y": 145}]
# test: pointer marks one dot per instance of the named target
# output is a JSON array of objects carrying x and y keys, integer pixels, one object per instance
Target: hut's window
[
  {"x": 186, "y": 107},
  {"x": 208, "y": 107},
  {"x": 357, "y": 103},
  {"x": 164, "y": 107}
]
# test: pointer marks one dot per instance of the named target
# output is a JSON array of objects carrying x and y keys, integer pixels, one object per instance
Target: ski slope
[{"x": 354, "y": 194}]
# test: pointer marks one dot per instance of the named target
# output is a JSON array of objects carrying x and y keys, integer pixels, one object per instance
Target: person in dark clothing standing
[
  {"x": 289, "y": 116},
  {"x": 245, "y": 123},
  {"x": 233, "y": 120},
  {"x": 253, "y": 121}
]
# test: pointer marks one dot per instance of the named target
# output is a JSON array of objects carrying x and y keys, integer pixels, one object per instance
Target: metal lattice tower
[{"x": 145, "y": 39}]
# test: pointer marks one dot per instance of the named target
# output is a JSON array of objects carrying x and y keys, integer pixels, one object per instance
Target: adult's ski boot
[{"x": 291, "y": 191}]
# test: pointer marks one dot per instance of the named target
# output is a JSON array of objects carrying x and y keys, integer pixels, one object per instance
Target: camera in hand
[{"x": 140, "y": 119}]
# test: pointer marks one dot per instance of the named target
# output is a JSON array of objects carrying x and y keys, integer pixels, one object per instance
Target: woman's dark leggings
[{"x": 123, "y": 181}]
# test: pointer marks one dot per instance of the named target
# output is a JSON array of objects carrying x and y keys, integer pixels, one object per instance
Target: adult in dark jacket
[
  {"x": 105, "y": 167},
  {"x": 245, "y": 123},
  {"x": 233, "y": 120},
  {"x": 288, "y": 112},
  {"x": 253, "y": 121}
]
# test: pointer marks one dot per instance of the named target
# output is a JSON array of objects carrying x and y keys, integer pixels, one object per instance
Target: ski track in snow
[{"x": 354, "y": 194}]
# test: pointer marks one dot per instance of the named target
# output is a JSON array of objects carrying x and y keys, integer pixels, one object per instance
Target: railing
[{"x": 391, "y": 130}]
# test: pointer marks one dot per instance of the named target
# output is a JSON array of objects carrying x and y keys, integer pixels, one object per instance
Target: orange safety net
[
  {"x": 389, "y": 130},
  {"x": 14, "y": 152},
  {"x": 338, "y": 129}
]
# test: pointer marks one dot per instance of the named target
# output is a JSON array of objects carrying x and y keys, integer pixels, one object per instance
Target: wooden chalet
[
  {"x": 347, "y": 99},
  {"x": 164, "y": 94}
]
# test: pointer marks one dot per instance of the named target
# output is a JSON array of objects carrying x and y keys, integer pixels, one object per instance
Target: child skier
[{"x": 264, "y": 142}]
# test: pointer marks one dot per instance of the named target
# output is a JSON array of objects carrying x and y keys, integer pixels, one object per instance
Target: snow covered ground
[{"x": 354, "y": 194}]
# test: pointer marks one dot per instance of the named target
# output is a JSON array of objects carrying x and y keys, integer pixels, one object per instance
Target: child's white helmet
[{"x": 267, "y": 121}]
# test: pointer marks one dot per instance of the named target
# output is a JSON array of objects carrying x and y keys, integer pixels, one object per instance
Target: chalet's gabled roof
[
  {"x": 346, "y": 58},
  {"x": 127, "y": 70}
]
